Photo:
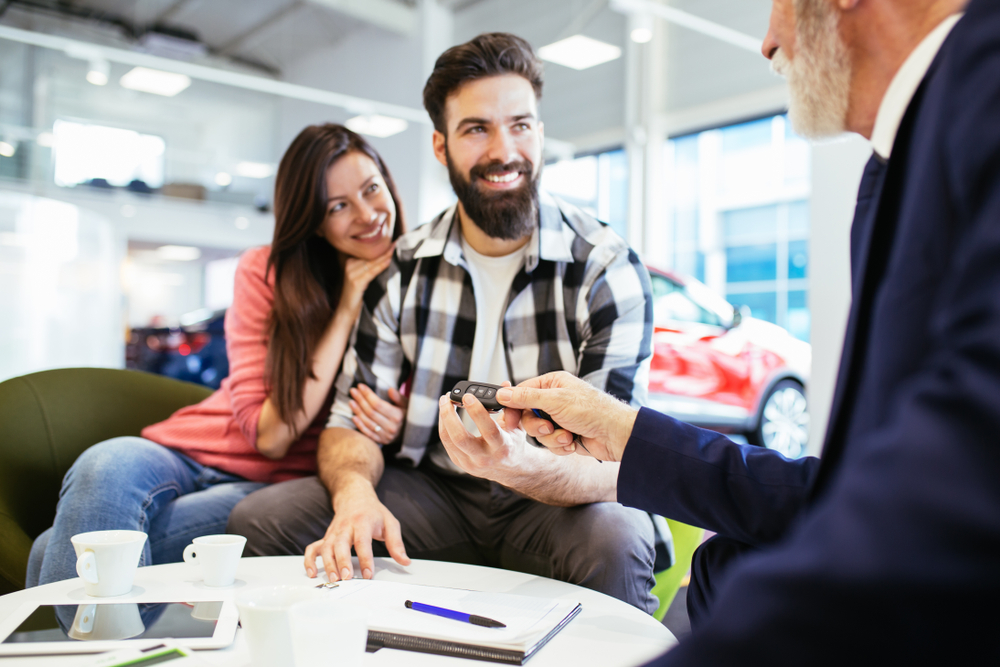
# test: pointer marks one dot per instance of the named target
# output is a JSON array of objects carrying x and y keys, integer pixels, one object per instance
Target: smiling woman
[{"x": 295, "y": 304}]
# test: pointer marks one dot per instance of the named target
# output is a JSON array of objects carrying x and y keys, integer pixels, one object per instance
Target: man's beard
[
  {"x": 508, "y": 215},
  {"x": 819, "y": 75}
]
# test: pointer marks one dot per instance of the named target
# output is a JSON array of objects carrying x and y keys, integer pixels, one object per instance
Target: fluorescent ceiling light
[
  {"x": 178, "y": 253},
  {"x": 377, "y": 126},
  {"x": 579, "y": 52},
  {"x": 155, "y": 81},
  {"x": 254, "y": 169},
  {"x": 7, "y": 150},
  {"x": 223, "y": 179}
]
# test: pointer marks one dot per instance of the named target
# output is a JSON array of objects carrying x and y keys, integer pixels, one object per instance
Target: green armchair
[
  {"x": 47, "y": 420},
  {"x": 668, "y": 582}
]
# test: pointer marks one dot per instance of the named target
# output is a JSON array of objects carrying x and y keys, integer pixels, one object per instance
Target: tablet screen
[{"x": 117, "y": 621}]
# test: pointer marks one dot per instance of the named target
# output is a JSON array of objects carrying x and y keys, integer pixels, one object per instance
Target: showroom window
[
  {"x": 737, "y": 212},
  {"x": 597, "y": 183},
  {"x": 87, "y": 153}
]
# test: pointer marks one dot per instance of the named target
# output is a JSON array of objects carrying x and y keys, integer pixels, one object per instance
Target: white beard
[{"x": 819, "y": 76}]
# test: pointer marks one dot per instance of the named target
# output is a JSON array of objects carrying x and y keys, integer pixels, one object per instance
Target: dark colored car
[
  {"x": 194, "y": 351},
  {"x": 716, "y": 367}
]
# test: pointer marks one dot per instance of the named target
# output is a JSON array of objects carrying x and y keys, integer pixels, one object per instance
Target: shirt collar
[
  {"x": 551, "y": 239},
  {"x": 904, "y": 86}
]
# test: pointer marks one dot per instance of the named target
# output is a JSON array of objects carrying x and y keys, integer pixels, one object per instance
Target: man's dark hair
[{"x": 489, "y": 54}]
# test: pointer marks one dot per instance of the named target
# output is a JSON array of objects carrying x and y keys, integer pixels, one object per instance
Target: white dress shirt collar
[{"x": 904, "y": 86}]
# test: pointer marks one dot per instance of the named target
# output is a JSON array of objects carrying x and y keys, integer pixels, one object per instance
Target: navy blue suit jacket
[{"x": 890, "y": 546}]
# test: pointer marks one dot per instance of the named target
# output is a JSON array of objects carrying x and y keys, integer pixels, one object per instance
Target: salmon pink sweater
[{"x": 220, "y": 432}]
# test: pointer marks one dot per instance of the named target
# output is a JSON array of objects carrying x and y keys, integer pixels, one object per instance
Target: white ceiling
[
  {"x": 273, "y": 33},
  {"x": 581, "y": 104},
  {"x": 585, "y": 107}
]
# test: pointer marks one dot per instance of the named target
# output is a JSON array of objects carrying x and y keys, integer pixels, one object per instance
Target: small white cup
[
  {"x": 106, "y": 560},
  {"x": 218, "y": 555},
  {"x": 264, "y": 617},
  {"x": 103, "y": 622},
  {"x": 332, "y": 632}
]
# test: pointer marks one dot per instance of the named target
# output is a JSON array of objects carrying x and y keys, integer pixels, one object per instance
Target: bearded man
[
  {"x": 505, "y": 285},
  {"x": 887, "y": 551}
]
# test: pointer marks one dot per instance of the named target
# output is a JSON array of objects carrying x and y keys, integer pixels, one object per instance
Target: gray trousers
[{"x": 463, "y": 519}]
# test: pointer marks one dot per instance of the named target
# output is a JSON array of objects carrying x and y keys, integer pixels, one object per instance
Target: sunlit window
[
  {"x": 740, "y": 217},
  {"x": 598, "y": 184},
  {"x": 737, "y": 212},
  {"x": 106, "y": 155}
]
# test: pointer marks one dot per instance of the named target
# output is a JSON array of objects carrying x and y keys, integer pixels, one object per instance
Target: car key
[{"x": 487, "y": 395}]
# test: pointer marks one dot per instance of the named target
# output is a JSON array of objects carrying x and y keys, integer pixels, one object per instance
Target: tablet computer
[{"x": 97, "y": 626}]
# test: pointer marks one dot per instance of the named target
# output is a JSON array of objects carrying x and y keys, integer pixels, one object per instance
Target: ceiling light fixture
[
  {"x": 155, "y": 81},
  {"x": 377, "y": 126},
  {"x": 178, "y": 253},
  {"x": 642, "y": 27},
  {"x": 254, "y": 169},
  {"x": 98, "y": 72},
  {"x": 223, "y": 179},
  {"x": 7, "y": 150},
  {"x": 579, "y": 52}
]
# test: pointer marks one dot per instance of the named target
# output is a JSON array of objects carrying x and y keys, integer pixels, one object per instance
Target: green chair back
[
  {"x": 47, "y": 420},
  {"x": 668, "y": 582}
]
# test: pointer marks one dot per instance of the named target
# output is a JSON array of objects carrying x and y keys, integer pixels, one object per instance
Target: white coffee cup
[
  {"x": 103, "y": 622},
  {"x": 264, "y": 618},
  {"x": 331, "y": 632},
  {"x": 106, "y": 560},
  {"x": 218, "y": 556}
]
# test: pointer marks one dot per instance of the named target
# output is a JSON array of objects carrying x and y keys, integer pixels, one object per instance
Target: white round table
[{"x": 608, "y": 632}]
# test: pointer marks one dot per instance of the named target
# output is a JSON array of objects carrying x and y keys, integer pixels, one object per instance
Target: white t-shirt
[{"x": 491, "y": 281}]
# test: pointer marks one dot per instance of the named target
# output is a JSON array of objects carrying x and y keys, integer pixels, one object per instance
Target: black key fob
[{"x": 486, "y": 393}]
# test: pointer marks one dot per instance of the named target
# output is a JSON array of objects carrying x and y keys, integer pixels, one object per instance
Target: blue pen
[{"x": 455, "y": 615}]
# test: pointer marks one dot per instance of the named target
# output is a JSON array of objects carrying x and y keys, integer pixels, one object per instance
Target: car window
[{"x": 671, "y": 303}]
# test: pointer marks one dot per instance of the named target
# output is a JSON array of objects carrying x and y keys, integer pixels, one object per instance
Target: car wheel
[{"x": 784, "y": 420}]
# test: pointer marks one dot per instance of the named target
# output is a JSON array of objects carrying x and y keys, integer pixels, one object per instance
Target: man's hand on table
[
  {"x": 603, "y": 422},
  {"x": 359, "y": 517}
]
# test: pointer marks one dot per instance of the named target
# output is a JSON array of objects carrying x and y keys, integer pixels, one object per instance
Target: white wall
[{"x": 836, "y": 173}]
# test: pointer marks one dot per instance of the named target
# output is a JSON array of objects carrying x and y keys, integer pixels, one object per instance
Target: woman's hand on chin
[{"x": 358, "y": 273}]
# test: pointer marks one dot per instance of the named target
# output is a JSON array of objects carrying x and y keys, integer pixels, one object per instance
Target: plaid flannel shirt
[{"x": 581, "y": 303}]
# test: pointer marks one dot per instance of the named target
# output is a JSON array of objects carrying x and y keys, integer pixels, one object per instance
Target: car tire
[{"x": 783, "y": 420}]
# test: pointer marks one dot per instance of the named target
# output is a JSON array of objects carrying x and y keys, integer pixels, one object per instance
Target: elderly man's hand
[
  {"x": 603, "y": 422},
  {"x": 498, "y": 453}
]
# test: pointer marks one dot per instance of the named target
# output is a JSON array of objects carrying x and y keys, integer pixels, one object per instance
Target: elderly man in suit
[{"x": 887, "y": 549}]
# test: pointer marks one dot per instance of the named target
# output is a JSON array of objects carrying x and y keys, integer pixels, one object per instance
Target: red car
[{"x": 716, "y": 367}]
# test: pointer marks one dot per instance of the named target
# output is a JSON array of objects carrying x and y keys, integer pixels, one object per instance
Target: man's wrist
[
  {"x": 349, "y": 486},
  {"x": 623, "y": 425}
]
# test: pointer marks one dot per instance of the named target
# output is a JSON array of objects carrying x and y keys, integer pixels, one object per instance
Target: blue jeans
[{"x": 131, "y": 483}]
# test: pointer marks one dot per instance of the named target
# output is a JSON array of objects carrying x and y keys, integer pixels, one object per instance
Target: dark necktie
[{"x": 871, "y": 186}]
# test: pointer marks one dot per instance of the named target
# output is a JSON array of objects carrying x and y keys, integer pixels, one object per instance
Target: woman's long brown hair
[{"x": 307, "y": 273}]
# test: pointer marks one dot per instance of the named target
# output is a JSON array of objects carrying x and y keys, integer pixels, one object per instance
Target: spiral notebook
[{"x": 531, "y": 622}]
